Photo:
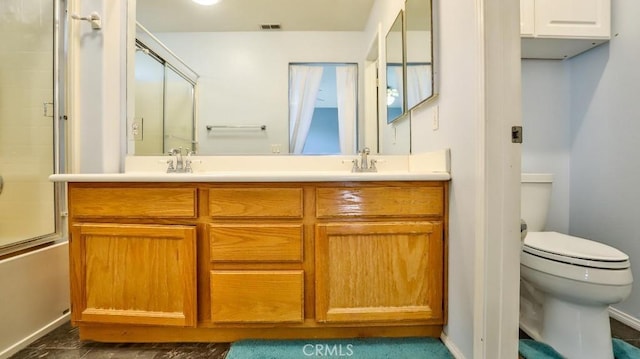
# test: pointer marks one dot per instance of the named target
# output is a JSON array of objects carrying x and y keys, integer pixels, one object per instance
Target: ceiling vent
[{"x": 270, "y": 27}]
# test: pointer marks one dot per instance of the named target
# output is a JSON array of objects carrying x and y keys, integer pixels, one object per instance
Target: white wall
[
  {"x": 546, "y": 146},
  {"x": 476, "y": 61},
  {"x": 245, "y": 81},
  {"x": 605, "y": 152},
  {"x": 458, "y": 105},
  {"x": 97, "y": 80}
]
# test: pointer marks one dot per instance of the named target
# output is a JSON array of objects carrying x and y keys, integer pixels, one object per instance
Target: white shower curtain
[
  {"x": 303, "y": 91},
  {"x": 418, "y": 84},
  {"x": 346, "y": 89}
]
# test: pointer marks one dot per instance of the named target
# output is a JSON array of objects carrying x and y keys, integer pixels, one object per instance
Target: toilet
[{"x": 567, "y": 282}]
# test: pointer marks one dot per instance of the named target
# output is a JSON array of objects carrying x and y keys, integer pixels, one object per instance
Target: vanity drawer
[
  {"x": 255, "y": 202},
  {"x": 132, "y": 202},
  {"x": 268, "y": 296},
  {"x": 379, "y": 201},
  {"x": 255, "y": 242}
]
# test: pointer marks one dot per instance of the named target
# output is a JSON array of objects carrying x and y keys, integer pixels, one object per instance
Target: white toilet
[{"x": 567, "y": 283}]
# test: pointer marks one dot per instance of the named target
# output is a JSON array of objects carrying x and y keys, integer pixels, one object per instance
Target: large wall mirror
[
  {"x": 242, "y": 51},
  {"x": 419, "y": 52}
]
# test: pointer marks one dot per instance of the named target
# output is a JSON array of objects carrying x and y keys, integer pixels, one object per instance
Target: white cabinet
[{"x": 559, "y": 29}]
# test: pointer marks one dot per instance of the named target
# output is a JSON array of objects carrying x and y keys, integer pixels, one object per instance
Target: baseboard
[
  {"x": 35, "y": 336},
  {"x": 451, "y": 346},
  {"x": 624, "y": 318}
]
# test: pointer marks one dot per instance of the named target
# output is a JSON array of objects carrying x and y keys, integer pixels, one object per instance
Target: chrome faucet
[
  {"x": 181, "y": 165},
  {"x": 364, "y": 164}
]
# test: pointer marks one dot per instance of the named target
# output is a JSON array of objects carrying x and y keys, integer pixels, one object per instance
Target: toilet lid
[{"x": 573, "y": 250}]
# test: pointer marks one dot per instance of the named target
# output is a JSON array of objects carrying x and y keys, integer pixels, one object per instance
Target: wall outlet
[
  {"x": 136, "y": 130},
  {"x": 436, "y": 119},
  {"x": 275, "y": 148}
]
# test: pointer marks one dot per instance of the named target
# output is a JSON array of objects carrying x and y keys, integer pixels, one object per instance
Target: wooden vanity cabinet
[
  {"x": 134, "y": 274},
  {"x": 380, "y": 254},
  {"x": 226, "y": 261},
  {"x": 384, "y": 272},
  {"x": 129, "y": 263}
]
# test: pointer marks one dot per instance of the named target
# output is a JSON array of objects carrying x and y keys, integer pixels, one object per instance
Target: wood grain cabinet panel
[
  {"x": 379, "y": 201},
  {"x": 255, "y": 202},
  {"x": 391, "y": 271},
  {"x": 132, "y": 202},
  {"x": 259, "y": 296},
  {"x": 256, "y": 242},
  {"x": 133, "y": 274}
]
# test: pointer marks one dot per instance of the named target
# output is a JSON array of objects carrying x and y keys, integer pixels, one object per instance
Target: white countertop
[
  {"x": 432, "y": 166},
  {"x": 248, "y": 176}
]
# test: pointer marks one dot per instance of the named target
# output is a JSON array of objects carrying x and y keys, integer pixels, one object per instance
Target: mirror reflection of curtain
[
  {"x": 395, "y": 92},
  {"x": 397, "y": 71},
  {"x": 303, "y": 91},
  {"x": 418, "y": 83},
  {"x": 346, "y": 83}
]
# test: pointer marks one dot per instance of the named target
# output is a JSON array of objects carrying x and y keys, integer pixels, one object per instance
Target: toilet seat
[{"x": 575, "y": 251}]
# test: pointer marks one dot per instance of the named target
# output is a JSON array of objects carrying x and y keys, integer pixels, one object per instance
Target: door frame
[{"x": 497, "y": 278}]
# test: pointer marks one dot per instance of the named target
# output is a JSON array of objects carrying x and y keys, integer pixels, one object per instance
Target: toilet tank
[{"x": 535, "y": 196}]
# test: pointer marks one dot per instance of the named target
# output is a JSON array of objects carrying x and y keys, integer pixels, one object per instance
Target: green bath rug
[
  {"x": 368, "y": 348},
  {"x": 624, "y": 350},
  {"x": 531, "y": 349}
]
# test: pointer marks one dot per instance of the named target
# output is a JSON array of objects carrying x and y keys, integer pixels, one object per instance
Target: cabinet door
[
  {"x": 573, "y": 18},
  {"x": 379, "y": 272},
  {"x": 133, "y": 274}
]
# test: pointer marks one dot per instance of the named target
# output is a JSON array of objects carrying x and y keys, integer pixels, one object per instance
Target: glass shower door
[{"x": 27, "y": 197}]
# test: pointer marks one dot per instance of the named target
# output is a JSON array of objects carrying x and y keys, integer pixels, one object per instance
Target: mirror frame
[{"x": 399, "y": 21}]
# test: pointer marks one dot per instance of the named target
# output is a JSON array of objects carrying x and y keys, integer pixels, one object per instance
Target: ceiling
[{"x": 249, "y": 15}]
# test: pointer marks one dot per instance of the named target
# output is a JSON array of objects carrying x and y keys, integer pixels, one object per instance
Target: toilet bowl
[{"x": 567, "y": 285}]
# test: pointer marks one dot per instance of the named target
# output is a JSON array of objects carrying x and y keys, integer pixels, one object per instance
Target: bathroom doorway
[{"x": 31, "y": 32}]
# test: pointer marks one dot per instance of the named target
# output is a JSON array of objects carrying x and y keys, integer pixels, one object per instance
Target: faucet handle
[
  {"x": 170, "y": 168},
  {"x": 355, "y": 167},
  {"x": 187, "y": 165}
]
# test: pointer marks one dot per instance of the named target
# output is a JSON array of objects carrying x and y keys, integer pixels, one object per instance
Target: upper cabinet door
[{"x": 573, "y": 18}]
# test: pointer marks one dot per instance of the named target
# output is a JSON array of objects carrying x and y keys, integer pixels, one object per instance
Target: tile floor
[{"x": 64, "y": 343}]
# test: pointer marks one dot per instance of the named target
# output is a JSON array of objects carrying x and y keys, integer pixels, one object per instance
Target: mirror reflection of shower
[{"x": 165, "y": 105}]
